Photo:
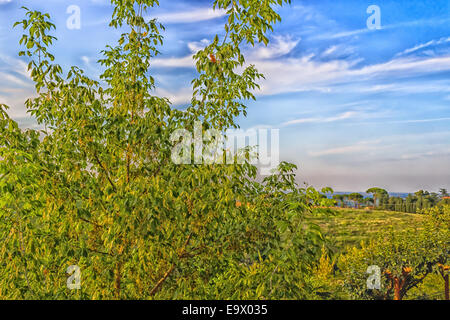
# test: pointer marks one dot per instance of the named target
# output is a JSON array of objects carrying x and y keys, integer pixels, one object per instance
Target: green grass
[{"x": 348, "y": 227}]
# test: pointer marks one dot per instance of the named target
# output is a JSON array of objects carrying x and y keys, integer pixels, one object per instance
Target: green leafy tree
[
  {"x": 377, "y": 193},
  {"x": 339, "y": 198},
  {"x": 356, "y": 197},
  {"x": 443, "y": 193},
  {"x": 98, "y": 188}
]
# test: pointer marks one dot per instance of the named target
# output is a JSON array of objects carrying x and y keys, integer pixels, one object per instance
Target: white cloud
[
  {"x": 196, "y": 15},
  {"x": 330, "y": 50},
  {"x": 350, "y": 149},
  {"x": 183, "y": 62},
  {"x": 415, "y": 156},
  {"x": 349, "y": 33},
  {"x": 421, "y": 120},
  {"x": 338, "y": 51},
  {"x": 282, "y": 45},
  {"x": 86, "y": 60},
  {"x": 15, "y": 86},
  {"x": 196, "y": 46},
  {"x": 16, "y": 101},
  {"x": 15, "y": 65},
  {"x": 435, "y": 86},
  {"x": 181, "y": 96},
  {"x": 424, "y": 45},
  {"x": 300, "y": 74},
  {"x": 10, "y": 79},
  {"x": 17, "y": 74},
  {"x": 307, "y": 74},
  {"x": 343, "y": 34},
  {"x": 342, "y": 116},
  {"x": 407, "y": 66}
]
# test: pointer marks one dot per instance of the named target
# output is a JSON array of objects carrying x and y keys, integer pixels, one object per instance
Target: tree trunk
[
  {"x": 117, "y": 280},
  {"x": 397, "y": 289}
]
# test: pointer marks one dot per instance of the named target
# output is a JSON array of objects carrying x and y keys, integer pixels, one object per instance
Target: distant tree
[
  {"x": 426, "y": 200},
  {"x": 369, "y": 202},
  {"x": 356, "y": 197},
  {"x": 433, "y": 198},
  {"x": 443, "y": 193},
  {"x": 422, "y": 193},
  {"x": 339, "y": 198},
  {"x": 377, "y": 193}
]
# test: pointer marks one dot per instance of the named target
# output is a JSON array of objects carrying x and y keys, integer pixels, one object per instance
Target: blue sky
[{"x": 355, "y": 107}]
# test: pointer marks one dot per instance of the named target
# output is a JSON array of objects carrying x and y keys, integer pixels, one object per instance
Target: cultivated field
[{"x": 348, "y": 227}]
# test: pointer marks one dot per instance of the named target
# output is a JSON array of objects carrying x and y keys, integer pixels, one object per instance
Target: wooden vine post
[
  {"x": 444, "y": 271},
  {"x": 398, "y": 283}
]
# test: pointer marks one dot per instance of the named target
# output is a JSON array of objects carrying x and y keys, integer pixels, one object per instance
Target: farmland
[{"x": 348, "y": 227}]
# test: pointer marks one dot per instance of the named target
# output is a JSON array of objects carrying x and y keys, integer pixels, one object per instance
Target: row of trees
[{"x": 380, "y": 199}]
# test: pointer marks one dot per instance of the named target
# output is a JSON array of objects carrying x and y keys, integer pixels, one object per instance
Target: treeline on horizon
[{"x": 380, "y": 199}]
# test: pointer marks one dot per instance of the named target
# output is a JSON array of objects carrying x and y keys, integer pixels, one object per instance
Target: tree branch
[
  {"x": 105, "y": 170},
  {"x": 182, "y": 254}
]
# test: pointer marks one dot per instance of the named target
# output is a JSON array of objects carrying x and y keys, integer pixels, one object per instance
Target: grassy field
[{"x": 348, "y": 227}]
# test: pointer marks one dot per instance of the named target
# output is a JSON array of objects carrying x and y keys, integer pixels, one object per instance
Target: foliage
[
  {"x": 324, "y": 280},
  {"x": 98, "y": 188}
]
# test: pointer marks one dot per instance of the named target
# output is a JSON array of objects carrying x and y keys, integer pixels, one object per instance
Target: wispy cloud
[
  {"x": 424, "y": 45},
  {"x": 174, "y": 62},
  {"x": 300, "y": 74},
  {"x": 308, "y": 74},
  {"x": 420, "y": 155},
  {"x": 342, "y": 116},
  {"x": 196, "y": 46},
  {"x": 280, "y": 46},
  {"x": 420, "y": 120},
  {"x": 176, "y": 97},
  {"x": 190, "y": 16},
  {"x": 350, "y": 149},
  {"x": 356, "y": 32},
  {"x": 15, "y": 85}
]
